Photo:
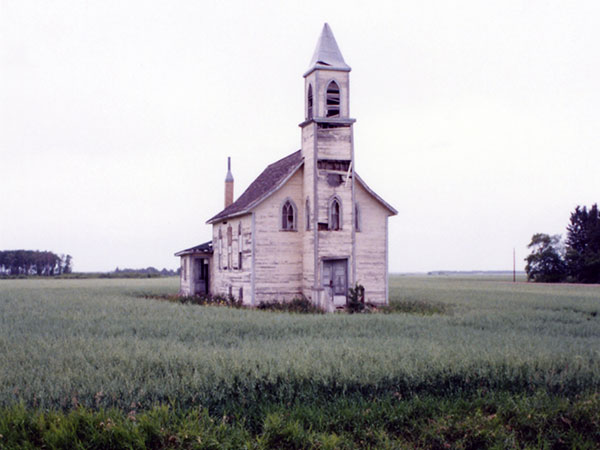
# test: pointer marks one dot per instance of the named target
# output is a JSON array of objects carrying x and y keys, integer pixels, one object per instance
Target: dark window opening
[
  {"x": 356, "y": 217},
  {"x": 241, "y": 294},
  {"x": 333, "y": 100},
  {"x": 323, "y": 226}
]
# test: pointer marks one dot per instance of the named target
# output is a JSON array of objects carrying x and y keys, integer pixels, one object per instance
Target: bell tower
[{"x": 328, "y": 151}]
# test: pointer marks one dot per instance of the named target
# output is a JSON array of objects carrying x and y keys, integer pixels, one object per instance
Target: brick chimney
[{"x": 228, "y": 184}]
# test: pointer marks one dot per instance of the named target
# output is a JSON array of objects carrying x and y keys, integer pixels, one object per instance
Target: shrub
[
  {"x": 356, "y": 299},
  {"x": 300, "y": 305}
]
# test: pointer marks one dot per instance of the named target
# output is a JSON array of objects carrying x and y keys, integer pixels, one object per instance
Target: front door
[
  {"x": 335, "y": 280},
  {"x": 200, "y": 276}
]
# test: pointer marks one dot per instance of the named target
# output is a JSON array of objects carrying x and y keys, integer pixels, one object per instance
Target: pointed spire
[{"x": 327, "y": 54}]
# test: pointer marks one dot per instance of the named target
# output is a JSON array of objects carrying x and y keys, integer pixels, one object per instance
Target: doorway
[
  {"x": 335, "y": 280},
  {"x": 201, "y": 272}
]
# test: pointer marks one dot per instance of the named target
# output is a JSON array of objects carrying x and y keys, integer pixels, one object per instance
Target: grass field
[{"x": 451, "y": 346}]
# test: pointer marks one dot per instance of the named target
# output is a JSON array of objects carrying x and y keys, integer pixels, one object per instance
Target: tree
[
  {"x": 545, "y": 263},
  {"x": 583, "y": 245}
]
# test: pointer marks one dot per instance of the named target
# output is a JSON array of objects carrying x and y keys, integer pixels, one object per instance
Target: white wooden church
[{"x": 308, "y": 225}]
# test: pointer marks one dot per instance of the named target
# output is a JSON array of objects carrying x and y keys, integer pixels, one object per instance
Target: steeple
[{"x": 327, "y": 54}]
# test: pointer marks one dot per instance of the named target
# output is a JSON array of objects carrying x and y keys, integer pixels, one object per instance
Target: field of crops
[{"x": 101, "y": 344}]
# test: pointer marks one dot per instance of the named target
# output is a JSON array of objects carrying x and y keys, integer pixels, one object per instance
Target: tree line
[
  {"x": 34, "y": 262},
  {"x": 577, "y": 259}
]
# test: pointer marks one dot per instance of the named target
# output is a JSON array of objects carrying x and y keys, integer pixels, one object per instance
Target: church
[{"x": 309, "y": 225}]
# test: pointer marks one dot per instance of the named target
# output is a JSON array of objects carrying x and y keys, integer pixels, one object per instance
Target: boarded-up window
[
  {"x": 220, "y": 248},
  {"x": 229, "y": 243},
  {"x": 288, "y": 216},
  {"x": 333, "y": 100}
]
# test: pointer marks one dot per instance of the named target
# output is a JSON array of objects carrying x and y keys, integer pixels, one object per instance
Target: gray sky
[{"x": 478, "y": 121}]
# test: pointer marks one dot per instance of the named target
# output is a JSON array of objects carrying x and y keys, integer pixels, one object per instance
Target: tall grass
[{"x": 100, "y": 344}]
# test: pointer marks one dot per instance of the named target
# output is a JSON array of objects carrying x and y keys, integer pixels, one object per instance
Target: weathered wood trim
[
  {"x": 353, "y": 206},
  {"x": 253, "y": 273},
  {"x": 316, "y": 274}
]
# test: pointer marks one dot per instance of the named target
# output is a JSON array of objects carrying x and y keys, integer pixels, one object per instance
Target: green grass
[{"x": 99, "y": 344}]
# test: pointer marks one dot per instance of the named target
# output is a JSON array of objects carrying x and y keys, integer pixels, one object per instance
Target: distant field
[{"x": 98, "y": 343}]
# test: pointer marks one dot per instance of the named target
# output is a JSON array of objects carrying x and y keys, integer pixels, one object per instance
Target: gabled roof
[
  {"x": 327, "y": 54},
  {"x": 269, "y": 181},
  {"x": 389, "y": 207},
  {"x": 202, "y": 248}
]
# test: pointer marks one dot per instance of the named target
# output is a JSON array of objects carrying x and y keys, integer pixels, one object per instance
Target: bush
[
  {"x": 356, "y": 299},
  {"x": 300, "y": 305}
]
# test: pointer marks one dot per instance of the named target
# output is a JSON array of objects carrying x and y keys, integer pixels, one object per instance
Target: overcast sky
[{"x": 478, "y": 121}]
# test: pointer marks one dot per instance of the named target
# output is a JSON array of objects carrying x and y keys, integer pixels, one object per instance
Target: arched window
[
  {"x": 288, "y": 216},
  {"x": 309, "y": 102},
  {"x": 356, "y": 217},
  {"x": 335, "y": 214},
  {"x": 333, "y": 99},
  {"x": 307, "y": 214}
]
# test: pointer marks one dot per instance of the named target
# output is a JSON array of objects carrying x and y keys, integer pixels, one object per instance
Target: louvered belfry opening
[
  {"x": 333, "y": 100},
  {"x": 309, "y": 102}
]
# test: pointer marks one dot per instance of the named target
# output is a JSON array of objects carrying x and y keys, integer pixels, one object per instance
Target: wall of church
[
  {"x": 227, "y": 277},
  {"x": 371, "y": 246},
  {"x": 185, "y": 284},
  {"x": 278, "y": 255}
]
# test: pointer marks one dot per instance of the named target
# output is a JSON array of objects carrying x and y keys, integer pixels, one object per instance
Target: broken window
[
  {"x": 288, "y": 216},
  {"x": 309, "y": 103},
  {"x": 333, "y": 100},
  {"x": 335, "y": 216}
]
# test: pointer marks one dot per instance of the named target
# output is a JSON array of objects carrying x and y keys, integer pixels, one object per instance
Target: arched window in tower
[
  {"x": 335, "y": 214},
  {"x": 288, "y": 216},
  {"x": 309, "y": 103},
  {"x": 333, "y": 100}
]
